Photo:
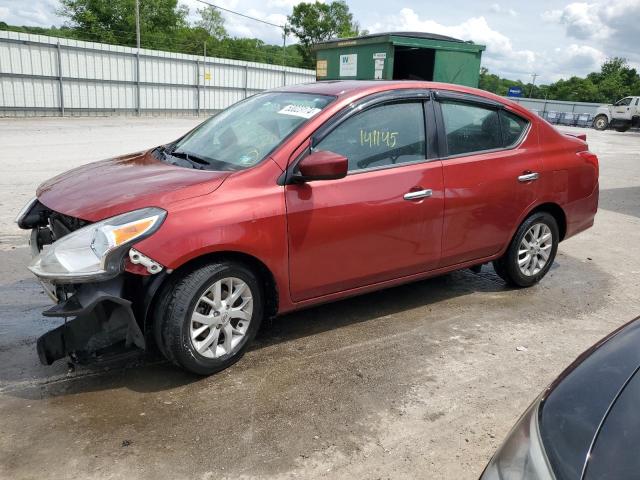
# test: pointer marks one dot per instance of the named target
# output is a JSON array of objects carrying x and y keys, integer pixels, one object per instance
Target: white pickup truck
[{"x": 622, "y": 115}]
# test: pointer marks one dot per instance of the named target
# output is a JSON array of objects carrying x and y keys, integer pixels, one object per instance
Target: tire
[
  {"x": 227, "y": 330},
  {"x": 601, "y": 122},
  {"x": 508, "y": 266}
]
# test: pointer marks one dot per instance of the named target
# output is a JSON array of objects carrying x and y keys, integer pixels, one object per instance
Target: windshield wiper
[{"x": 190, "y": 157}]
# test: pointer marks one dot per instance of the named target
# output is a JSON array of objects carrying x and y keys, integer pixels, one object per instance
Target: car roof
[{"x": 359, "y": 88}]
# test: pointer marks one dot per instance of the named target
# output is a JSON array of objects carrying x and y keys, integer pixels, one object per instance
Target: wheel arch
[
  {"x": 557, "y": 212},
  {"x": 265, "y": 276}
]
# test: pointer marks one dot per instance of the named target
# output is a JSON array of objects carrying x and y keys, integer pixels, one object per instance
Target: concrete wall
[{"x": 42, "y": 75}]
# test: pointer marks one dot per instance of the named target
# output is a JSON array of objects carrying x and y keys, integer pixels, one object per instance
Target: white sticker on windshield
[{"x": 299, "y": 111}]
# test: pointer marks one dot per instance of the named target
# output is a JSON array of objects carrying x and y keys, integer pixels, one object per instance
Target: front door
[
  {"x": 383, "y": 221},
  {"x": 622, "y": 110},
  {"x": 490, "y": 178}
]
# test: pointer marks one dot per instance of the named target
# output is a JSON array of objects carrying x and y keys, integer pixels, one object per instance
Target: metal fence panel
[
  {"x": 542, "y": 106},
  {"x": 42, "y": 75}
]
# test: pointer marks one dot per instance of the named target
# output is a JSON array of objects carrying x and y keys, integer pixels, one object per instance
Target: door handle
[
  {"x": 418, "y": 194},
  {"x": 528, "y": 177}
]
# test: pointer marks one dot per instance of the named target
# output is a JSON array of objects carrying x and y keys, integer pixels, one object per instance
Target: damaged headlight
[
  {"x": 95, "y": 252},
  {"x": 522, "y": 455}
]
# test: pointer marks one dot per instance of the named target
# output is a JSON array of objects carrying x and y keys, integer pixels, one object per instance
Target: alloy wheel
[
  {"x": 535, "y": 249},
  {"x": 221, "y": 318}
]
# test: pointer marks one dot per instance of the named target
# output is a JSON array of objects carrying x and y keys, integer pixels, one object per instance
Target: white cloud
[
  {"x": 573, "y": 60},
  {"x": 499, "y": 9},
  {"x": 500, "y": 55},
  {"x": 614, "y": 24},
  {"x": 39, "y": 13}
]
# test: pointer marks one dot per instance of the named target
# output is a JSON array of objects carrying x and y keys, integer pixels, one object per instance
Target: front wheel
[
  {"x": 531, "y": 251},
  {"x": 211, "y": 317},
  {"x": 601, "y": 122}
]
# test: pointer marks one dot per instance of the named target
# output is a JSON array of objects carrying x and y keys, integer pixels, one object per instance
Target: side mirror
[{"x": 322, "y": 165}]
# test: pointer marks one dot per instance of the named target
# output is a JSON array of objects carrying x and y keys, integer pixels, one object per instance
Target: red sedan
[{"x": 295, "y": 197}]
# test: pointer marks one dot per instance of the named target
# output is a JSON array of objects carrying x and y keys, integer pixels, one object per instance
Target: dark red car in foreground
[{"x": 295, "y": 197}]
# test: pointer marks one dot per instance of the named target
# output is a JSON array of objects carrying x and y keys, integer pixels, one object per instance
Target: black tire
[
  {"x": 507, "y": 266},
  {"x": 601, "y": 122},
  {"x": 174, "y": 317}
]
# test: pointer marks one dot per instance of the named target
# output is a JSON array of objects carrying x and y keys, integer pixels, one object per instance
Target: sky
[{"x": 553, "y": 39}]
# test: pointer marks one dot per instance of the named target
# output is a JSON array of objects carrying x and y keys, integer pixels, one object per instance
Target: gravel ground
[{"x": 419, "y": 381}]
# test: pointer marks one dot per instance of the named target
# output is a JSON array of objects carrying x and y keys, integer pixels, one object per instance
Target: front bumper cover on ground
[{"x": 103, "y": 320}]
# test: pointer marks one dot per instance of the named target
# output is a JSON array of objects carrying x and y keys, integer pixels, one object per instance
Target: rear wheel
[
  {"x": 531, "y": 252},
  {"x": 601, "y": 122},
  {"x": 211, "y": 317}
]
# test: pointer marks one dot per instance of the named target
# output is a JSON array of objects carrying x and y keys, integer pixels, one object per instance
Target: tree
[
  {"x": 114, "y": 21},
  {"x": 212, "y": 21},
  {"x": 315, "y": 22}
]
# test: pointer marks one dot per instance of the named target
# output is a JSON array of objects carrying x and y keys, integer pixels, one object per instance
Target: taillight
[{"x": 592, "y": 159}]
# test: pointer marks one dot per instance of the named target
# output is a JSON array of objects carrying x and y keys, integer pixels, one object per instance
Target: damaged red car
[{"x": 294, "y": 197}]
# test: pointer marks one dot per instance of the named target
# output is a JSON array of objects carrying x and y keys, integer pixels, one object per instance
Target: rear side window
[
  {"x": 470, "y": 128},
  {"x": 381, "y": 136},
  {"x": 513, "y": 127}
]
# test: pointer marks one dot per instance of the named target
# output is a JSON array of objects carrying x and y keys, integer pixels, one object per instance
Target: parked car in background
[
  {"x": 622, "y": 115},
  {"x": 295, "y": 197},
  {"x": 586, "y": 424}
]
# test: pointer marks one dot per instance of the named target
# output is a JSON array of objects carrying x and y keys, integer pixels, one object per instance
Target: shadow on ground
[
  {"x": 621, "y": 200},
  {"x": 23, "y": 376}
]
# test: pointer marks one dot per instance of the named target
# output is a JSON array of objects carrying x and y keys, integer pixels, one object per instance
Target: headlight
[
  {"x": 95, "y": 252},
  {"x": 522, "y": 455},
  {"x": 24, "y": 211}
]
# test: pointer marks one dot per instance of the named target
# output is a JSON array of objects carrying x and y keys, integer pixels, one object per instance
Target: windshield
[{"x": 245, "y": 133}]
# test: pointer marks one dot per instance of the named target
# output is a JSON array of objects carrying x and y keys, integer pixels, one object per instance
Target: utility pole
[
  {"x": 284, "y": 44},
  {"x": 138, "y": 57},
  {"x": 138, "y": 24},
  {"x": 533, "y": 82},
  {"x": 204, "y": 77}
]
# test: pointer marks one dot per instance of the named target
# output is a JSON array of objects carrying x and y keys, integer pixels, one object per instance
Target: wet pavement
[{"x": 418, "y": 381}]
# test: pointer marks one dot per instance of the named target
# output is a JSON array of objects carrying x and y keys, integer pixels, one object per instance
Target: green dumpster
[{"x": 399, "y": 56}]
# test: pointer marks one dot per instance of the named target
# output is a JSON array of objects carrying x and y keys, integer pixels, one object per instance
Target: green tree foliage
[
  {"x": 614, "y": 81},
  {"x": 315, "y": 22},
  {"x": 163, "y": 26},
  {"x": 114, "y": 21},
  {"x": 212, "y": 22}
]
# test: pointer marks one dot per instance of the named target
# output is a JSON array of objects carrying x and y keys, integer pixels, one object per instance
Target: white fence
[
  {"x": 543, "y": 106},
  {"x": 42, "y": 75}
]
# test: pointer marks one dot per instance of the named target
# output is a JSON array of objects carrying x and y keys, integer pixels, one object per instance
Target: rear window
[
  {"x": 473, "y": 128},
  {"x": 470, "y": 128}
]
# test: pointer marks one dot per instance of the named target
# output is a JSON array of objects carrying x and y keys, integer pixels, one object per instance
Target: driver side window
[
  {"x": 385, "y": 135},
  {"x": 624, "y": 102}
]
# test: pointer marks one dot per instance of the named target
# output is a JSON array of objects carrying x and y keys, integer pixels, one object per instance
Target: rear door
[
  {"x": 383, "y": 221},
  {"x": 490, "y": 171}
]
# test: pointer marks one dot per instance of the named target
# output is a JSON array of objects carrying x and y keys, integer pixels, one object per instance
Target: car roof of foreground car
[
  {"x": 340, "y": 88},
  {"x": 359, "y": 88},
  {"x": 577, "y": 406}
]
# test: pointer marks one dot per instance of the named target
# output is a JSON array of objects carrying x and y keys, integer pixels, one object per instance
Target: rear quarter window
[{"x": 513, "y": 128}]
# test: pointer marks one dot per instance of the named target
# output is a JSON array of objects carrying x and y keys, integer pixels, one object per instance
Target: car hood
[
  {"x": 576, "y": 404},
  {"x": 109, "y": 187}
]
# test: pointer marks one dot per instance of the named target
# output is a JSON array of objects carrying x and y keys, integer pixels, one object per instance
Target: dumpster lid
[{"x": 423, "y": 35}]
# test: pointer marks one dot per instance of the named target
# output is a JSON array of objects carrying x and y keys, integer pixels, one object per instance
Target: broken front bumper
[{"x": 100, "y": 320}]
